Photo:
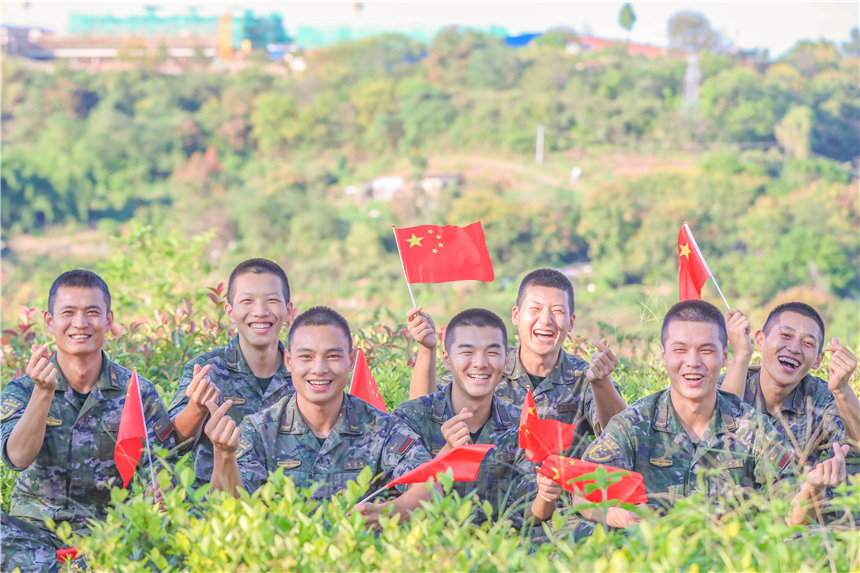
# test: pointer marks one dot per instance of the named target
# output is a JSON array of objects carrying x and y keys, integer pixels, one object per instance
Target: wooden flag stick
[
  {"x": 702, "y": 258},
  {"x": 399, "y": 254}
]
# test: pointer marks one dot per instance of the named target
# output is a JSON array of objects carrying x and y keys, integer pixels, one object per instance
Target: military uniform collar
[
  {"x": 563, "y": 369},
  {"x": 666, "y": 419},
  {"x": 236, "y": 362},
  {"x": 793, "y": 403},
  {"x": 442, "y": 409},
  {"x": 108, "y": 377},
  {"x": 348, "y": 422}
]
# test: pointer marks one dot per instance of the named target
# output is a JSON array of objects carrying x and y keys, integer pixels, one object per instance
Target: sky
[{"x": 775, "y": 26}]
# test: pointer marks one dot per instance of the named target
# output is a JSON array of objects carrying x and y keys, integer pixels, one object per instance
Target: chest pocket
[
  {"x": 106, "y": 438},
  {"x": 727, "y": 474},
  {"x": 348, "y": 473}
]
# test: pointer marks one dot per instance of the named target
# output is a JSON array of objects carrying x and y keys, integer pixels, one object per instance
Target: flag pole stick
[
  {"x": 146, "y": 435},
  {"x": 354, "y": 369},
  {"x": 399, "y": 254},
  {"x": 702, "y": 258},
  {"x": 372, "y": 495}
]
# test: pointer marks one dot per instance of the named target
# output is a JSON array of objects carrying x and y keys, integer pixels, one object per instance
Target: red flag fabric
[
  {"x": 70, "y": 554},
  {"x": 464, "y": 461},
  {"x": 364, "y": 384},
  {"x": 693, "y": 271},
  {"x": 539, "y": 437},
  {"x": 132, "y": 429},
  {"x": 441, "y": 254},
  {"x": 629, "y": 489}
]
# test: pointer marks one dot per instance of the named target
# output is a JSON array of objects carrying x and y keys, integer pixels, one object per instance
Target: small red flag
[
  {"x": 441, "y": 254},
  {"x": 364, "y": 384},
  {"x": 540, "y": 437},
  {"x": 132, "y": 429},
  {"x": 629, "y": 489},
  {"x": 693, "y": 271},
  {"x": 464, "y": 461},
  {"x": 66, "y": 555}
]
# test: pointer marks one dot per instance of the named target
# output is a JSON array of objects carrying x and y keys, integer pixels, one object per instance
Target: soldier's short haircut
[
  {"x": 258, "y": 266},
  {"x": 79, "y": 278},
  {"x": 799, "y": 308},
  {"x": 695, "y": 311},
  {"x": 320, "y": 316},
  {"x": 475, "y": 317},
  {"x": 546, "y": 278}
]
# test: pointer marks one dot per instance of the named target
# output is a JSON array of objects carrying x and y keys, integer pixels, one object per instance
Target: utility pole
[{"x": 539, "y": 145}]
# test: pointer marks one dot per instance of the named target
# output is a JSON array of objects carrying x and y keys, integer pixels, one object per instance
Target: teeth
[
  {"x": 319, "y": 383},
  {"x": 79, "y": 337},
  {"x": 261, "y": 325},
  {"x": 543, "y": 332},
  {"x": 790, "y": 362},
  {"x": 479, "y": 376}
]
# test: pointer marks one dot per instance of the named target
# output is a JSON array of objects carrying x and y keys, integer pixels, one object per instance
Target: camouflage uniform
[
  {"x": 71, "y": 477},
  {"x": 738, "y": 448},
  {"x": 808, "y": 420},
  {"x": 231, "y": 374},
  {"x": 564, "y": 395},
  {"x": 362, "y": 437},
  {"x": 506, "y": 478}
]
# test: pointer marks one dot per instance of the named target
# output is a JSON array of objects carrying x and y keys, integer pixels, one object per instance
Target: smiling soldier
[
  {"x": 60, "y": 424},
  {"x": 320, "y": 436},
  {"x": 249, "y": 371}
]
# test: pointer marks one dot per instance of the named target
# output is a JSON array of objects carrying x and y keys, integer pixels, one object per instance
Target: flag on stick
[
  {"x": 693, "y": 271},
  {"x": 539, "y": 437},
  {"x": 440, "y": 254},
  {"x": 629, "y": 489},
  {"x": 132, "y": 429},
  {"x": 463, "y": 461},
  {"x": 66, "y": 555},
  {"x": 364, "y": 385}
]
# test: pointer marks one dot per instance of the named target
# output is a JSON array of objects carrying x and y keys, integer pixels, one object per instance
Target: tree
[
  {"x": 793, "y": 132},
  {"x": 627, "y": 17},
  {"x": 691, "y": 31},
  {"x": 851, "y": 48}
]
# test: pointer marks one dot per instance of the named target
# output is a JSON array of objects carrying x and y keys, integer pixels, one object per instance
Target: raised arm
[
  {"x": 843, "y": 364},
  {"x": 224, "y": 434},
  {"x": 200, "y": 390},
  {"x": 27, "y": 437},
  {"x": 607, "y": 400},
  {"x": 423, "y": 330},
  {"x": 738, "y": 328},
  {"x": 808, "y": 500}
]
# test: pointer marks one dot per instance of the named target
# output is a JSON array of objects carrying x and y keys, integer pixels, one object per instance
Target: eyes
[
  {"x": 270, "y": 300},
  {"x": 806, "y": 342}
]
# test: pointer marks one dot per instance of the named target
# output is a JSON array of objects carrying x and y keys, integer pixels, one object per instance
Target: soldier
[
  {"x": 565, "y": 387},
  {"x": 60, "y": 422},
  {"x": 691, "y": 430},
  {"x": 249, "y": 371},
  {"x": 466, "y": 411},
  {"x": 321, "y": 436},
  {"x": 808, "y": 412}
]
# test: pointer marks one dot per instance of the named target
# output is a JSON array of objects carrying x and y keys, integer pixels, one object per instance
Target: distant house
[
  {"x": 385, "y": 188},
  {"x": 433, "y": 184},
  {"x": 591, "y": 43}
]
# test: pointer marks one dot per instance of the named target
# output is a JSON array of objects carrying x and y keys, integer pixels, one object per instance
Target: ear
[
  {"x": 725, "y": 359},
  {"x": 515, "y": 315},
  {"x": 353, "y": 355},
  {"x": 759, "y": 339},
  {"x": 572, "y": 320},
  {"x": 446, "y": 360},
  {"x": 109, "y": 321},
  {"x": 291, "y": 313},
  {"x": 287, "y": 364},
  {"x": 49, "y": 321},
  {"x": 228, "y": 308},
  {"x": 663, "y": 354},
  {"x": 818, "y": 360}
]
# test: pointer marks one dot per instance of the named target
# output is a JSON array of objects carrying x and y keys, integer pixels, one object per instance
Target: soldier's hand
[
  {"x": 221, "y": 429},
  {"x": 603, "y": 362},
  {"x": 829, "y": 472},
  {"x": 455, "y": 431},
  {"x": 421, "y": 327},
  {"x": 738, "y": 329},
  {"x": 201, "y": 390},
  {"x": 154, "y": 492},
  {"x": 41, "y": 369},
  {"x": 371, "y": 513},
  {"x": 843, "y": 363},
  {"x": 548, "y": 490},
  {"x": 621, "y": 518}
]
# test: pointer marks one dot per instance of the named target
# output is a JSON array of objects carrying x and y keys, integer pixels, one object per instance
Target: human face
[
  {"x": 694, "y": 356},
  {"x": 790, "y": 350},
  {"x": 543, "y": 320},
  {"x": 79, "y": 320},
  {"x": 320, "y": 361},
  {"x": 476, "y": 360},
  {"x": 258, "y": 309}
]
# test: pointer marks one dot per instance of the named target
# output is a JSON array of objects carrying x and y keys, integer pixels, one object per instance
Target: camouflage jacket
[
  {"x": 739, "y": 448},
  {"x": 563, "y": 395},
  {"x": 506, "y": 478},
  {"x": 71, "y": 477},
  {"x": 808, "y": 420},
  {"x": 234, "y": 378},
  {"x": 363, "y": 436}
]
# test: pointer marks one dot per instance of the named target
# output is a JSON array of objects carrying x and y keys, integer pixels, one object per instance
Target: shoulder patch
[
  {"x": 401, "y": 445},
  {"x": 779, "y": 456},
  {"x": 661, "y": 462},
  {"x": 9, "y": 406},
  {"x": 236, "y": 400},
  {"x": 286, "y": 464},
  {"x": 52, "y": 421},
  {"x": 162, "y": 427},
  {"x": 245, "y": 446},
  {"x": 604, "y": 450}
]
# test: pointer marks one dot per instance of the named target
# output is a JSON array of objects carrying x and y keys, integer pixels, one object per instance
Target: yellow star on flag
[
  {"x": 435, "y": 251},
  {"x": 532, "y": 411},
  {"x": 555, "y": 474},
  {"x": 685, "y": 251},
  {"x": 431, "y": 232},
  {"x": 415, "y": 241},
  {"x": 441, "y": 245}
]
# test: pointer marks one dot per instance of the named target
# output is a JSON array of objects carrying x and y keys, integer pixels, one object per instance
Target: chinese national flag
[
  {"x": 66, "y": 555},
  {"x": 463, "y": 461},
  {"x": 364, "y": 385},
  {"x": 434, "y": 254},
  {"x": 629, "y": 489},
  {"x": 132, "y": 429},
  {"x": 693, "y": 271},
  {"x": 541, "y": 438}
]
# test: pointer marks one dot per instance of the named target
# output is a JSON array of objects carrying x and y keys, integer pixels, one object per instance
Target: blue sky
[{"x": 773, "y": 25}]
